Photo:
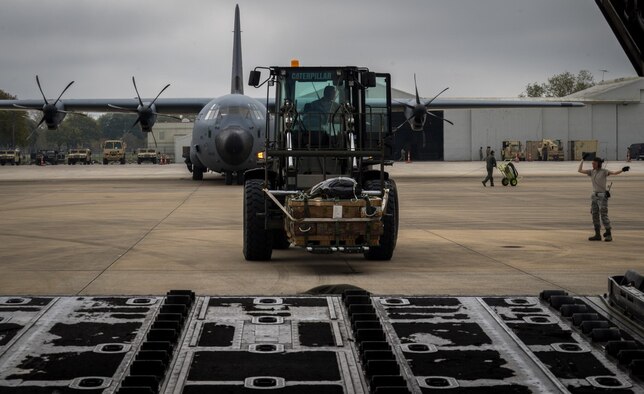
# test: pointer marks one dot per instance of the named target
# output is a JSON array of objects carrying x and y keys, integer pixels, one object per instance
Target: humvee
[
  {"x": 114, "y": 150},
  {"x": 145, "y": 154},
  {"x": 322, "y": 184},
  {"x": 10, "y": 156},
  {"x": 81, "y": 156}
]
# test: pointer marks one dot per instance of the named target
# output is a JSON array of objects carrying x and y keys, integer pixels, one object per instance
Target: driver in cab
[{"x": 318, "y": 115}]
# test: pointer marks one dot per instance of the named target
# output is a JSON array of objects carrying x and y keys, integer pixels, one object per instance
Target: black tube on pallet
[
  {"x": 377, "y": 359},
  {"x": 152, "y": 360}
]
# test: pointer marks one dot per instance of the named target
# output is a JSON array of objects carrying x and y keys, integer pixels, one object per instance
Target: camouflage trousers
[{"x": 599, "y": 209}]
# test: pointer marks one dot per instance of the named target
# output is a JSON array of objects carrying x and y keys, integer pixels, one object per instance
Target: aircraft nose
[{"x": 234, "y": 145}]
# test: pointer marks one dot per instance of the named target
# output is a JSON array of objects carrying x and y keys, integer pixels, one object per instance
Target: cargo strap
[{"x": 307, "y": 213}]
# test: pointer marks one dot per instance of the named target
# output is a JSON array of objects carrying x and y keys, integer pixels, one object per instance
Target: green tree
[
  {"x": 76, "y": 131},
  {"x": 560, "y": 85},
  {"x": 116, "y": 125},
  {"x": 14, "y": 127}
]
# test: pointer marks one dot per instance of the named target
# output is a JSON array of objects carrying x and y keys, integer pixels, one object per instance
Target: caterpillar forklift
[{"x": 321, "y": 183}]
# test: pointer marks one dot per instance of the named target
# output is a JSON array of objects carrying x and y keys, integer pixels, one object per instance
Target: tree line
[{"x": 560, "y": 85}]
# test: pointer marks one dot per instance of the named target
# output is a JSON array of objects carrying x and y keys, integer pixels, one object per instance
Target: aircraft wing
[
  {"x": 194, "y": 105},
  {"x": 399, "y": 105},
  {"x": 416, "y": 110},
  {"x": 163, "y": 105},
  {"x": 455, "y": 103}
]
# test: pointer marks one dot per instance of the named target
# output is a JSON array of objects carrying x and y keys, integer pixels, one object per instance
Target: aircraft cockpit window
[
  {"x": 213, "y": 112},
  {"x": 230, "y": 110},
  {"x": 254, "y": 111}
]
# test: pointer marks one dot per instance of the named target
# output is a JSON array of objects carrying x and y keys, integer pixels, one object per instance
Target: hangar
[{"x": 613, "y": 115}]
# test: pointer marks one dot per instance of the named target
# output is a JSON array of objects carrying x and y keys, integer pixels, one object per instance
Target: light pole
[{"x": 603, "y": 71}]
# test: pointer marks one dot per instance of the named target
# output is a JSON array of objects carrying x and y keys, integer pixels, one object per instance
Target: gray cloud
[{"x": 487, "y": 48}]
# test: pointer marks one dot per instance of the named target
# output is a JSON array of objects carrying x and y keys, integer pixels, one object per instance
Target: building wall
[
  {"x": 179, "y": 142},
  {"x": 615, "y": 126},
  {"x": 165, "y": 134}
]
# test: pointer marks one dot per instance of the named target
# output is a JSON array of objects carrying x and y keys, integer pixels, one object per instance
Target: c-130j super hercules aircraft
[{"x": 229, "y": 131}]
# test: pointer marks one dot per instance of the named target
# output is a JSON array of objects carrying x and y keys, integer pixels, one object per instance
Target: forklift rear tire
[
  {"x": 258, "y": 241},
  {"x": 385, "y": 249}
]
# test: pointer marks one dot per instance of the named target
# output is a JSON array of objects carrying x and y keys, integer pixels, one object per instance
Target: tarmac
[{"x": 146, "y": 229}]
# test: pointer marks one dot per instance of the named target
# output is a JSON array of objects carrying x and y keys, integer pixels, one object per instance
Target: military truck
[
  {"x": 511, "y": 150},
  {"x": 582, "y": 149},
  {"x": 81, "y": 156},
  {"x": 322, "y": 184},
  {"x": 544, "y": 150},
  {"x": 636, "y": 151},
  {"x": 10, "y": 156},
  {"x": 52, "y": 157},
  {"x": 113, "y": 151},
  {"x": 146, "y": 154}
]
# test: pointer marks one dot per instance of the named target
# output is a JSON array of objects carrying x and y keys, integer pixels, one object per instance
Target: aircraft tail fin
[{"x": 237, "y": 85}]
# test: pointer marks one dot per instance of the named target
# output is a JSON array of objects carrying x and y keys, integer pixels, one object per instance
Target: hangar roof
[{"x": 622, "y": 90}]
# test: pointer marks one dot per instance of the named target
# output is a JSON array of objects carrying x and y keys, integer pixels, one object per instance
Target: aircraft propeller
[
  {"x": 417, "y": 114},
  {"x": 147, "y": 112},
  {"x": 52, "y": 113}
]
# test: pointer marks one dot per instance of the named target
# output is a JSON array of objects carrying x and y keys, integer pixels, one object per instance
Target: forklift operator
[{"x": 326, "y": 104}]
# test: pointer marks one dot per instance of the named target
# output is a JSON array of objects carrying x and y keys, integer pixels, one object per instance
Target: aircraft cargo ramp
[{"x": 354, "y": 343}]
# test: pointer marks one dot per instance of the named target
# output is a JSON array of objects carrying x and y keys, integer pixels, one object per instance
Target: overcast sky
[{"x": 477, "y": 48}]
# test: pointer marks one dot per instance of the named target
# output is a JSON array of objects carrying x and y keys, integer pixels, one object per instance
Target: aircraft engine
[
  {"x": 416, "y": 115},
  {"x": 146, "y": 111},
  {"x": 53, "y": 113}
]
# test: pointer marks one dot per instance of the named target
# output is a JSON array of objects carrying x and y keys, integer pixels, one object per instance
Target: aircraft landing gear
[
  {"x": 229, "y": 177},
  {"x": 197, "y": 173}
]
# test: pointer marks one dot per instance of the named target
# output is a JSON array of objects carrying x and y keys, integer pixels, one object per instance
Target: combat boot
[
  {"x": 597, "y": 236},
  {"x": 608, "y": 236}
]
